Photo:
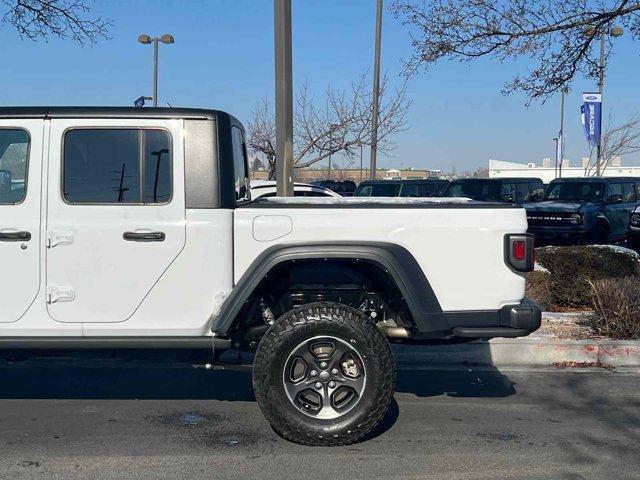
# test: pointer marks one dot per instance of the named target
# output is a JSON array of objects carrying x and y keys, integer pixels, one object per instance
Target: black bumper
[{"x": 512, "y": 321}]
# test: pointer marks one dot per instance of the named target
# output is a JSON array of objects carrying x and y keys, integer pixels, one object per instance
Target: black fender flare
[{"x": 394, "y": 259}]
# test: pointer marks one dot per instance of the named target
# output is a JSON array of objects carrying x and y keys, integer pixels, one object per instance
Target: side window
[
  {"x": 536, "y": 192},
  {"x": 409, "y": 190},
  {"x": 629, "y": 194},
  {"x": 14, "y": 153},
  {"x": 522, "y": 192},
  {"x": 108, "y": 166},
  {"x": 365, "y": 191},
  {"x": 615, "y": 189},
  {"x": 507, "y": 192},
  {"x": 240, "y": 164}
]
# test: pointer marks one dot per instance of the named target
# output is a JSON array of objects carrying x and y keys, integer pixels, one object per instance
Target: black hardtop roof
[
  {"x": 399, "y": 180},
  {"x": 500, "y": 179},
  {"x": 596, "y": 179},
  {"x": 111, "y": 112}
]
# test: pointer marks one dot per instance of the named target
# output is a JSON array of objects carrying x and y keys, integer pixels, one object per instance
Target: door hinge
[
  {"x": 58, "y": 238},
  {"x": 60, "y": 294}
]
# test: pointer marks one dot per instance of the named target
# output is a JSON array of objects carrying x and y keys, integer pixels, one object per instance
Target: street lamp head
[
  {"x": 616, "y": 31},
  {"x": 167, "y": 38},
  {"x": 144, "y": 39}
]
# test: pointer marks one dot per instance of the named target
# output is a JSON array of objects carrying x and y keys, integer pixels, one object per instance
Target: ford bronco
[
  {"x": 131, "y": 227},
  {"x": 591, "y": 210}
]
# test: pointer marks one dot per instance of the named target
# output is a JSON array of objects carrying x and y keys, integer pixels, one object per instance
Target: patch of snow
[
  {"x": 619, "y": 249},
  {"x": 562, "y": 316},
  {"x": 539, "y": 268}
]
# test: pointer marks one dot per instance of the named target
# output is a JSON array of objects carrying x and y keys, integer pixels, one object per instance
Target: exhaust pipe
[{"x": 395, "y": 332}]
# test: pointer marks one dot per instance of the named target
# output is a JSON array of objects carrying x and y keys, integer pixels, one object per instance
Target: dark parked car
[
  {"x": 428, "y": 187},
  {"x": 584, "y": 210},
  {"x": 344, "y": 188},
  {"x": 511, "y": 190}
]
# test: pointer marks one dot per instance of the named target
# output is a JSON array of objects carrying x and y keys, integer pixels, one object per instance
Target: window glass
[
  {"x": 483, "y": 190},
  {"x": 157, "y": 167},
  {"x": 239, "y": 163},
  {"x": 507, "y": 192},
  {"x": 364, "y": 191},
  {"x": 384, "y": 190},
  {"x": 522, "y": 193},
  {"x": 14, "y": 150},
  {"x": 410, "y": 190},
  {"x": 587, "y": 191},
  {"x": 629, "y": 194},
  {"x": 615, "y": 189},
  {"x": 105, "y": 166}
]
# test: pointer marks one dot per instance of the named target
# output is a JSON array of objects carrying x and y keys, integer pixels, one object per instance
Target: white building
[{"x": 547, "y": 172}]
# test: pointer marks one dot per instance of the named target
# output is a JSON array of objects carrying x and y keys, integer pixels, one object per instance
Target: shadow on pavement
[
  {"x": 488, "y": 382},
  {"x": 181, "y": 375}
]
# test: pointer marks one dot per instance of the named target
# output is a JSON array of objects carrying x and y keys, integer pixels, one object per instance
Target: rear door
[
  {"x": 20, "y": 200},
  {"x": 116, "y": 214}
]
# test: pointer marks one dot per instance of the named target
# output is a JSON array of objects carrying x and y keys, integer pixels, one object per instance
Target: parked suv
[
  {"x": 136, "y": 228},
  {"x": 428, "y": 187},
  {"x": 584, "y": 210},
  {"x": 344, "y": 188},
  {"x": 510, "y": 190}
]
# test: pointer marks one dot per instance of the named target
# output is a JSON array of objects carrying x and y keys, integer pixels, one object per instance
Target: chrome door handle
[{"x": 144, "y": 236}]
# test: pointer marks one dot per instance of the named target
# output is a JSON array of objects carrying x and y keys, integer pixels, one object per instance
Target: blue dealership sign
[{"x": 592, "y": 117}]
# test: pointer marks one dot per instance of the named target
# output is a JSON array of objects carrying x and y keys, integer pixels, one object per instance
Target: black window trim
[
  {"x": 26, "y": 171},
  {"x": 141, "y": 160},
  {"x": 247, "y": 179}
]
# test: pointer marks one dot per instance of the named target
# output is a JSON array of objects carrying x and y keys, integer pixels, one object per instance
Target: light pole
[
  {"x": 360, "y": 161},
  {"x": 560, "y": 139},
  {"x": 603, "y": 32},
  {"x": 146, "y": 40},
  {"x": 376, "y": 91},
  {"x": 284, "y": 97}
]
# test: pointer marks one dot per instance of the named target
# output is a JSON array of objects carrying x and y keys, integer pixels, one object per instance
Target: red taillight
[{"x": 519, "y": 250}]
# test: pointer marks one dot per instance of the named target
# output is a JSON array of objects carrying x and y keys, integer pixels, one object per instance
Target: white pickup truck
[{"x": 134, "y": 228}]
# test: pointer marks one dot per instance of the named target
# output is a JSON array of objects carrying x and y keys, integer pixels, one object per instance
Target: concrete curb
[{"x": 526, "y": 351}]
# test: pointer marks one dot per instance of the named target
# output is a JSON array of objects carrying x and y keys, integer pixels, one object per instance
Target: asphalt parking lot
[{"x": 136, "y": 417}]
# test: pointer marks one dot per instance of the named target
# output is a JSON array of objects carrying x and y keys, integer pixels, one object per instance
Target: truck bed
[{"x": 459, "y": 243}]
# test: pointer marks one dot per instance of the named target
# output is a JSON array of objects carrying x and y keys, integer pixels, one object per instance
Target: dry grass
[{"x": 616, "y": 306}]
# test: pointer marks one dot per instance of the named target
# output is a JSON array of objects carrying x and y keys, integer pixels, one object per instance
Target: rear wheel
[{"x": 324, "y": 375}]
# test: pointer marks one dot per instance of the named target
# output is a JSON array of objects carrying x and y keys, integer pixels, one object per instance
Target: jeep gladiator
[{"x": 134, "y": 228}]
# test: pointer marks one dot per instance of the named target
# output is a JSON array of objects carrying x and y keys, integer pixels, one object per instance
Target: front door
[
  {"x": 116, "y": 215},
  {"x": 20, "y": 198}
]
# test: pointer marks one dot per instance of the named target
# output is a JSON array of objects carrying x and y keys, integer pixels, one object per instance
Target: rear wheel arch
[{"x": 391, "y": 261}]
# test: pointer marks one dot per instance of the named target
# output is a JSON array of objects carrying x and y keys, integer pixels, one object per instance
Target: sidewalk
[{"x": 538, "y": 349}]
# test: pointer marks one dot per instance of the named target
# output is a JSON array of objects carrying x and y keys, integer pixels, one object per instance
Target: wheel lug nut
[
  {"x": 334, "y": 371},
  {"x": 318, "y": 385},
  {"x": 332, "y": 384},
  {"x": 323, "y": 364},
  {"x": 313, "y": 373}
]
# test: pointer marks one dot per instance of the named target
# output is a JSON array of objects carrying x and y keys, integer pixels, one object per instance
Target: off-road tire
[{"x": 307, "y": 322}]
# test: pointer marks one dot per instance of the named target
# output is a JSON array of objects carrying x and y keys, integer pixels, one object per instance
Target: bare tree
[
  {"x": 558, "y": 36},
  {"x": 40, "y": 19},
  {"x": 338, "y": 124},
  {"x": 617, "y": 141}
]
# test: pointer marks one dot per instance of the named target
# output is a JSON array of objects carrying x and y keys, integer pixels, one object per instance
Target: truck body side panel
[{"x": 459, "y": 249}]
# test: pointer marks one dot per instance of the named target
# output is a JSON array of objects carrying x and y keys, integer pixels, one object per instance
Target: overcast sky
[{"x": 223, "y": 58}]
